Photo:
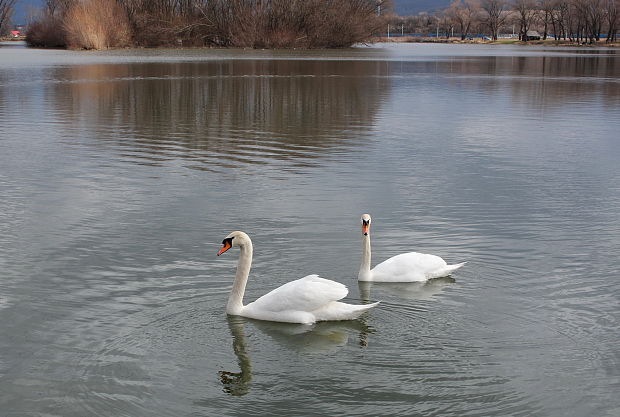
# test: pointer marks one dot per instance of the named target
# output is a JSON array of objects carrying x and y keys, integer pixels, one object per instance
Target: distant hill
[{"x": 409, "y": 7}]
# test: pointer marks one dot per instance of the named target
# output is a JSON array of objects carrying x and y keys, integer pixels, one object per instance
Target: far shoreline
[
  {"x": 479, "y": 41},
  {"x": 375, "y": 40}
]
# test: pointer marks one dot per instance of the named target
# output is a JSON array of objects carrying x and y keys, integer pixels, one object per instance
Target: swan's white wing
[
  {"x": 306, "y": 294},
  {"x": 412, "y": 266}
]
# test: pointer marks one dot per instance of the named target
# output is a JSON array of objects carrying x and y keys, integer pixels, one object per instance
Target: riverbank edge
[
  {"x": 385, "y": 39},
  {"x": 478, "y": 41}
]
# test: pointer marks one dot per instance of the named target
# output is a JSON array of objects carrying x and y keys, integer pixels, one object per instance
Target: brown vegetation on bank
[
  {"x": 48, "y": 32},
  {"x": 96, "y": 24},
  {"x": 99, "y": 24}
]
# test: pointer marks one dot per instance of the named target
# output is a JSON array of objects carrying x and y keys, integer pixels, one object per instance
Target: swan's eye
[
  {"x": 228, "y": 241},
  {"x": 366, "y": 222}
]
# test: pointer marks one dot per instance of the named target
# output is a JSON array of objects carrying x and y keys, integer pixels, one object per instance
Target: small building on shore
[{"x": 532, "y": 35}]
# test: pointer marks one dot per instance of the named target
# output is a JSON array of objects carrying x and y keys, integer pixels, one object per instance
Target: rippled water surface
[{"x": 121, "y": 172}]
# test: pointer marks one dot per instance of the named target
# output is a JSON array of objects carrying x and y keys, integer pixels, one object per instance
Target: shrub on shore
[
  {"x": 290, "y": 23},
  {"x": 96, "y": 24},
  {"x": 46, "y": 32}
]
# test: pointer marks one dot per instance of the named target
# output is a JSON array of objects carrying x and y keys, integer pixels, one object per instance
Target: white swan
[
  {"x": 306, "y": 300},
  {"x": 406, "y": 267}
]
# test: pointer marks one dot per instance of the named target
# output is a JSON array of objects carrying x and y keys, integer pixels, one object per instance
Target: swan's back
[
  {"x": 305, "y": 294},
  {"x": 408, "y": 267}
]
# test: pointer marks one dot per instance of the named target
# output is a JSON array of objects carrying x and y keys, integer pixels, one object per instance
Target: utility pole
[{"x": 388, "y": 31}]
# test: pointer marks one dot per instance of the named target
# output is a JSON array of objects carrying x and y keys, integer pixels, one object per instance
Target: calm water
[{"x": 121, "y": 172}]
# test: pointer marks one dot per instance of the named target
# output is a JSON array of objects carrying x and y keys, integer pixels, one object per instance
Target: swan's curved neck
[
  {"x": 365, "y": 274},
  {"x": 235, "y": 300}
]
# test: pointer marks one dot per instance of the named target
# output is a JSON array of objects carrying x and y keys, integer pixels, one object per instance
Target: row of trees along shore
[
  {"x": 100, "y": 24},
  {"x": 582, "y": 21}
]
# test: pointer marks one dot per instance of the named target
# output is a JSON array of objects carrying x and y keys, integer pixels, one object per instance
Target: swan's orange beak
[
  {"x": 226, "y": 245},
  {"x": 365, "y": 227}
]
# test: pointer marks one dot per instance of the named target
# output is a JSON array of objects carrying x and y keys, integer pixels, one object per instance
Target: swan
[
  {"x": 306, "y": 300},
  {"x": 406, "y": 267}
]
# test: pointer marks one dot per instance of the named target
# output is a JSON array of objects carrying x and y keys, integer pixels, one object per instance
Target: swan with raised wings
[
  {"x": 306, "y": 300},
  {"x": 406, "y": 267}
]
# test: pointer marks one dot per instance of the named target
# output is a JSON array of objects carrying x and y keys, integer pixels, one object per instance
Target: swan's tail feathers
[
  {"x": 365, "y": 307},
  {"x": 448, "y": 269},
  {"x": 357, "y": 310},
  {"x": 337, "y": 310},
  {"x": 445, "y": 271}
]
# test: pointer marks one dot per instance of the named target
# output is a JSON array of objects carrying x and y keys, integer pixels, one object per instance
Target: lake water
[{"x": 122, "y": 171}]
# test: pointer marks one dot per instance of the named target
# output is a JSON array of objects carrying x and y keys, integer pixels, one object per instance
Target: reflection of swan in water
[
  {"x": 324, "y": 337},
  {"x": 408, "y": 290},
  {"x": 306, "y": 300},
  {"x": 237, "y": 383},
  {"x": 406, "y": 267}
]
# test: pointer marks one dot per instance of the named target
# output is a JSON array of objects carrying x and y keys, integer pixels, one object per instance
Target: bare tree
[
  {"x": 612, "y": 15},
  {"x": 445, "y": 25},
  {"x": 462, "y": 15},
  {"x": 595, "y": 17},
  {"x": 495, "y": 14},
  {"x": 527, "y": 11},
  {"x": 6, "y": 14},
  {"x": 548, "y": 17},
  {"x": 586, "y": 18},
  {"x": 58, "y": 7},
  {"x": 564, "y": 18}
]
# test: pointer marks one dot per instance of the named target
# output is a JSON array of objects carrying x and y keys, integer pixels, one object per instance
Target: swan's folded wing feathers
[
  {"x": 307, "y": 294},
  {"x": 409, "y": 262}
]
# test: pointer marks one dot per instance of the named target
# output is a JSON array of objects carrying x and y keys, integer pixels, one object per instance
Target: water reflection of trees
[
  {"x": 229, "y": 111},
  {"x": 542, "y": 81}
]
